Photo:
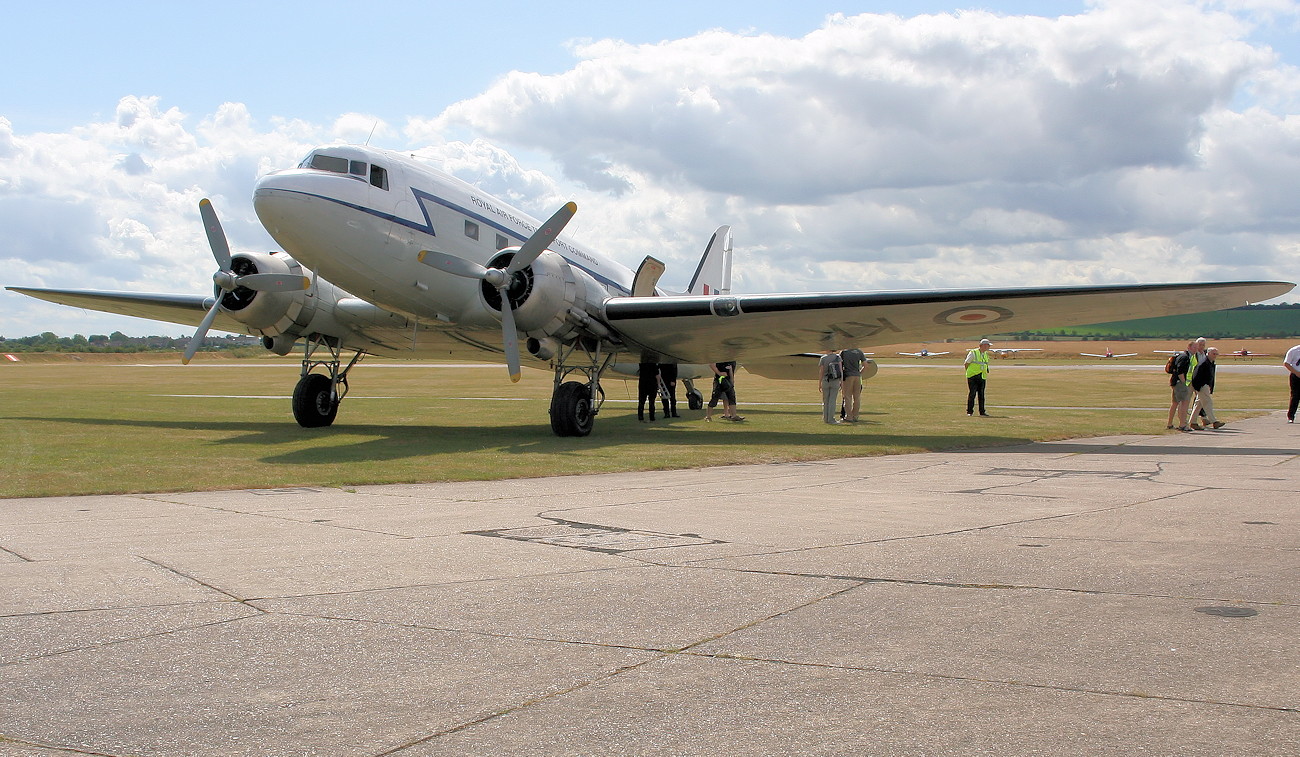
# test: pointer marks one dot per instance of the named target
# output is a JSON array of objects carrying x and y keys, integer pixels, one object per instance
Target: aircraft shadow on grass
[{"x": 396, "y": 442}]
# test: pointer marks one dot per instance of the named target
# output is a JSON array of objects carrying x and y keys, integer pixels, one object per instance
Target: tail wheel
[
  {"x": 571, "y": 410},
  {"x": 314, "y": 401},
  {"x": 694, "y": 400}
]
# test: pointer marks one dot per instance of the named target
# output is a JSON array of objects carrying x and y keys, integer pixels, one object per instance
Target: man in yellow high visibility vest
[{"x": 977, "y": 376}]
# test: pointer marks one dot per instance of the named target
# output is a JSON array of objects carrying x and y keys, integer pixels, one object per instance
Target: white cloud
[{"x": 1138, "y": 141}]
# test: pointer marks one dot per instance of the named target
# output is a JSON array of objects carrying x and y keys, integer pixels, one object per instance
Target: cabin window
[
  {"x": 378, "y": 177},
  {"x": 357, "y": 168},
  {"x": 471, "y": 230},
  {"x": 502, "y": 242},
  {"x": 330, "y": 163}
]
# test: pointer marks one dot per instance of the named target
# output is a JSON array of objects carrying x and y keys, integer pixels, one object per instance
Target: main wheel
[
  {"x": 313, "y": 403},
  {"x": 571, "y": 410}
]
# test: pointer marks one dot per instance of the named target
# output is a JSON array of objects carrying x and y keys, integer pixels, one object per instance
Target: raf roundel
[{"x": 972, "y": 315}]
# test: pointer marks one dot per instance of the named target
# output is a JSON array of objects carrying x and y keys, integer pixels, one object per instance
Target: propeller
[
  {"x": 228, "y": 281},
  {"x": 500, "y": 278}
]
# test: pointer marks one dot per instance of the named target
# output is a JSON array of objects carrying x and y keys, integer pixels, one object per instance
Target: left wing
[
  {"x": 185, "y": 309},
  {"x": 701, "y": 329}
]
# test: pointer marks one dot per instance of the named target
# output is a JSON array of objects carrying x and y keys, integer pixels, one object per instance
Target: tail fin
[{"x": 713, "y": 276}]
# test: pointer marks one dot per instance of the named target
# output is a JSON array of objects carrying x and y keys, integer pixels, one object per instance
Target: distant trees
[{"x": 118, "y": 342}]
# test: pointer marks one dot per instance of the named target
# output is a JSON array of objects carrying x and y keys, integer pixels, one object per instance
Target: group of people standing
[
  {"x": 1191, "y": 377},
  {"x": 649, "y": 378},
  {"x": 841, "y": 371},
  {"x": 658, "y": 381}
]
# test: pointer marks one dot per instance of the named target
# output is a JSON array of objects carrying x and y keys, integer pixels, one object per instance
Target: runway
[{"x": 1132, "y": 595}]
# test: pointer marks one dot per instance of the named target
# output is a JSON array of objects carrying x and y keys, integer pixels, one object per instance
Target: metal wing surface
[
  {"x": 187, "y": 309},
  {"x": 394, "y": 336},
  {"x": 701, "y": 329}
]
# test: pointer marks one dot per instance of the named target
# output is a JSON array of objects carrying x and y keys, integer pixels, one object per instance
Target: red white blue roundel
[{"x": 972, "y": 315}]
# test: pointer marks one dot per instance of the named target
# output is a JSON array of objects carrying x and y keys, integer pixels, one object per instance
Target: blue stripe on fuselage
[{"x": 427, "y": 228}]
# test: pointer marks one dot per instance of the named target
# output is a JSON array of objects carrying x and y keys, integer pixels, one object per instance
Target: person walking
[
  {"x": 852, "y": 358},
  {"x": 668, "y": 376},
  {"x": 977, "y": 376},
  {"x": 1181, "y": 391},
  {"x": 1292, "y": 363},
  {"x": 831, "y": 375},
  {"x": 647, "y": 389},
  {"x": 1202, "y": 383},
  {"x": 724, "y": 388}
]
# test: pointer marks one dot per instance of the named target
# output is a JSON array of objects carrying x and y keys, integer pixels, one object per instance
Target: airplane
[
  {"x": 1243, "y": 352},
  {"x": 1108, "y": 354},
  {"x": 384, "y": 255},
  {"x": 1005, "y": 351},
  {"x": 924, "y": 353}
]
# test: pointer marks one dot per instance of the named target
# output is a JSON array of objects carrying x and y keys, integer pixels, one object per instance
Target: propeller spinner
[
  {"x": 227, "y": 280},
  {"x": 500, "y": 278}
]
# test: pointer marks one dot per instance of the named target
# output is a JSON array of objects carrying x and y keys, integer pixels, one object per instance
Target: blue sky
[
  {"x": 314, "y": 60},
  {"x": 1012, "y": 143}
]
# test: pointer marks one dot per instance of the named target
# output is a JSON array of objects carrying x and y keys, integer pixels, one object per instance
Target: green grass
[{"x": 93, "y": 428}]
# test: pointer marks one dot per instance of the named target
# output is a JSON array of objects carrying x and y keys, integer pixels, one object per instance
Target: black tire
[
  {"x": 312, "y": 405},
  {"x": 694, "y": 400},
  {"x": 571, "y": 410}
]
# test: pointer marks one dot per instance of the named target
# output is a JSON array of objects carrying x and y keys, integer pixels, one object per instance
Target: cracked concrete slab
[{"x": 1121, "y": 596}]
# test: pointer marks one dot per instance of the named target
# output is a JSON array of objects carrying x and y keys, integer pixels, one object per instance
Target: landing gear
[
  {"x": 694, "y": 399},
  {"x": 314, "y": 402},
  {"x": 317, "y": 396},
  {"x": 575, "y": 404}
]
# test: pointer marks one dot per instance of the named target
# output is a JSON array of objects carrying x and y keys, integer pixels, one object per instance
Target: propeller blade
[
  {"x": 510, "y": 339},
  {"x": 216, "y": 237},
  {"x": 206, "y": 324},
  {"x": 273, "y": 282},
  {"x": 452, "y": 264},
  {"x": 542, "y": 238}
]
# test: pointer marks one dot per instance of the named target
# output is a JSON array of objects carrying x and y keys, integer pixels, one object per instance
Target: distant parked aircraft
[
  {"x": 1243, "y": 352},
  {"x": 1108, "y": 354},
  {"x": 924, "y": 353}
]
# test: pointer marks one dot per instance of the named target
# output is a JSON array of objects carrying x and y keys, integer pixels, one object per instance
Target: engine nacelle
[
  {"x": 550, "y": 298},
  {"x": 268, "y": 313}
]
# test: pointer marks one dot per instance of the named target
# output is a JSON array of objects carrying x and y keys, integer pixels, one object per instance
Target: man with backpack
[
  {"x": 831, "y": 376},
  {"x": 1177, "y": 367}
]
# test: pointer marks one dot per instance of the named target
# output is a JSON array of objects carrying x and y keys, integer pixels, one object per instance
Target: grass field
[{"x": 114, "y": 426}]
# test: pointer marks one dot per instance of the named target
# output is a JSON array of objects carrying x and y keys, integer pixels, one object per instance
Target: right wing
[{"x": 702, "y": 329}]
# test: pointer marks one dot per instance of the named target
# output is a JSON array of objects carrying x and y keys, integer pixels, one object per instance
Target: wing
[
  {"x": 187, "y": 309},
  {"x": 371, "y": 329},
  {"x": 702, "y": 328}
]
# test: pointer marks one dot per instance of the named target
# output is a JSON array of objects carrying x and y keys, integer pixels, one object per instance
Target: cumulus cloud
[{"x": 1136, "y": 141}]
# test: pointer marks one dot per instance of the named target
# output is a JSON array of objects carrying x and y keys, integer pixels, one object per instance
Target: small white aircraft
[
  {"x": 924, "y": 353},
  {"x": 1005, "y": 351},
  {"x": 1243, "y": 352},
  {"x": 385, "y": 255},
  {"x": 1108, "y": 354}
]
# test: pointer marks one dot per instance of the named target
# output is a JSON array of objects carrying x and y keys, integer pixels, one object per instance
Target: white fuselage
[{"x": 363, "y": 227}]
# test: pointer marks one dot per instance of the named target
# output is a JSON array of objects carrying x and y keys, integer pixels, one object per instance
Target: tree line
[{"x": 119, "y": 342}]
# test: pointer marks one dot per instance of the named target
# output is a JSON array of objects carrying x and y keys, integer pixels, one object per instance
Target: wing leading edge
[
  {"x": 704, "y": 328},
  {"x": 186, "y": 309}
]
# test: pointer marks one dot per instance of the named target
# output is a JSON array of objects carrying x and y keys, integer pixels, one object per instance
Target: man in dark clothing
[
  {"x": 647, "y": 389},
  {"x": 1203, "y": 387},
  {"x": 668, "y": 375}
]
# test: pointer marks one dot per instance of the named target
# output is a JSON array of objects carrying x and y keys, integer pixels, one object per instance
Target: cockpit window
[
  {"x": 378, "y": 177},
  {"x": 357, "y": 168},
  {"x": 322, "y": 162}
]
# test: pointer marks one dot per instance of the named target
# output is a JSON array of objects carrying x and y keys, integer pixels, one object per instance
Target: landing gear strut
[
  {"x": 575, "y": 404},
  {"x": 317, "y": 396}
]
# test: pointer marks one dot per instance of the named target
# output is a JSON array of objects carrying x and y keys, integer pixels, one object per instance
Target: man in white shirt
[{"x": 1292, "y": 363}]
